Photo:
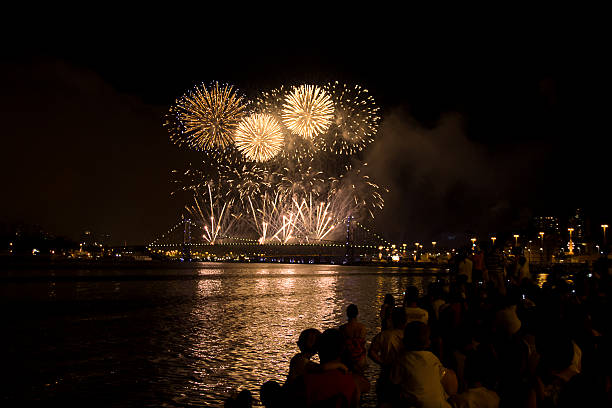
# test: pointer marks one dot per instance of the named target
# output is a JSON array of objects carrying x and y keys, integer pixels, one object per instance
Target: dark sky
[{"x": 477, "y": 135}]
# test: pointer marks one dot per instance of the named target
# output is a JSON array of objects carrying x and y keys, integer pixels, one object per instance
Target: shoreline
[
  {"x": 22, "y": 269},
  {"x": 28, "y": 263},
  {"x": 113, "y": 270}
]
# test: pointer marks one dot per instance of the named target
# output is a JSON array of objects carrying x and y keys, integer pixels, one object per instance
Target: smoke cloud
[{"x": 442, "y": 184}]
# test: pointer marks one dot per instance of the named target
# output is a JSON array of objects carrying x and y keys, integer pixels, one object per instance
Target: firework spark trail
[
  {"x": 266, "y": 214},
  {"x": 301, "y": 179},
  {"x": 280, "y": 217},
  {"x": 274, "y": 214},
  {"x": 308, "y": 111},
  {"x": 263, "y": 229},
  {"x": 271, "y": 102},
  {"x": 293, "y": 218},
  {"x": 206, "y": 118},
  {"x": 315, "y": 220},
  {"x": 262, "y": 239},
  {"x": 216, "y": 219},
  {"x": 247, "y": 180},
  {"x": 286, "y": 230},
  {"x": 259, "y": 137},
  {"x": 356, "y": 187},
  {"x": 323, "y": 222},
  {"x": 195, "y": 177}
]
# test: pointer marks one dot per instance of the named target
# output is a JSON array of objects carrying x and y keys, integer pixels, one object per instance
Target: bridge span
[{"x": 315, "y": 252}]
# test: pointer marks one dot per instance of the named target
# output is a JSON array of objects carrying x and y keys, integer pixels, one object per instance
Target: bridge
[{"x": 185, "y": 240}]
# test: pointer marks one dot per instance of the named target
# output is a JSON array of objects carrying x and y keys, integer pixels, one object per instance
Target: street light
[
  {"x": 516, "y": 237},
  {"x": 493, "y": 239},
  {"x": 571, "y": 244},
  {"x": 604, "y": 226}
]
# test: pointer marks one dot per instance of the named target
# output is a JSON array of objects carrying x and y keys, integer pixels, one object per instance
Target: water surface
[{"x": 176, "y": 337}]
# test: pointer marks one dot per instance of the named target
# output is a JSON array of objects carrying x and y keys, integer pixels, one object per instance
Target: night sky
[{"x": 476, "y": 135}]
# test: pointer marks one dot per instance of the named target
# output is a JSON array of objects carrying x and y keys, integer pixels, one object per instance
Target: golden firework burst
[
  {"x": 308, "y": 111},
  {"x": 259, "y": 137},
  {"x": 207, "y": 117}
]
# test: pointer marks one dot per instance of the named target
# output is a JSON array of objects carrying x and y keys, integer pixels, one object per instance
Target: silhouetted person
[
  {"x": 464, "y": 268},
  {"x": 244, "y": 399},
  {"x": 413, "y": 312},
  {"x": 385, "y": 311},
  {"x": 422, "y": 380},
  {"x": 334, "y": 384},
  {"x": 301, "y": 363},
  {"x": 272, "y": 395},
  {"x": 385, "y": 349},
  {"x": 354, "y": 334},
  {"x": 477, "y": 394}
]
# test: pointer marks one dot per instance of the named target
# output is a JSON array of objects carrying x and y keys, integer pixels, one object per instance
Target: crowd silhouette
[{"x": 493, "y": 338}]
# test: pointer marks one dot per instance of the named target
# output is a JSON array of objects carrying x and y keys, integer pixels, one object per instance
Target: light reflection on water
[{"x": 182, "y": 341}]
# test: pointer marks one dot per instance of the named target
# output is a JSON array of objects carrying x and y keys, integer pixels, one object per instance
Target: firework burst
[
  {"x": 295, "y": 148},
  {"x": 206, "y": 118},
  {"x": 248, "y": 180},
  {"x": 216, "y": 164},
  {"x": 355, "y": 121},
  {"x": 267, "y": 216},
  {"x": 302, "y": 180},
  {"x": 308, "y": 111},
  {"x": 259, "y": 137},
  {"x": 289, "y": 170},
  {"x": 315, "y": 220},
  {"x": 214, "y": 214},
  {"x": 361, "y": 195},
  {"x": 294, "y": 218}
]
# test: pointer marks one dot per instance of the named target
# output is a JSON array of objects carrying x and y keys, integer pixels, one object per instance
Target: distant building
[
  {"x": 86, "y": 238},
  {"x": 90, "y": 238},
  {"x": 576, "y": 221},
  {"x": 548, "y": 225},
  {"x": 104, "y": 239}
]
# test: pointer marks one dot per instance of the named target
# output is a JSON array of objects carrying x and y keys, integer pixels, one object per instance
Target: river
[{"x": 176, "y": 337}]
